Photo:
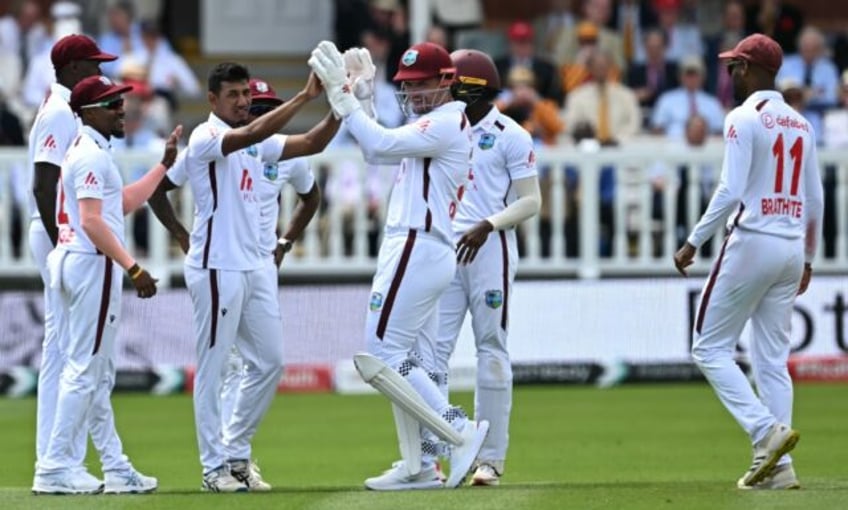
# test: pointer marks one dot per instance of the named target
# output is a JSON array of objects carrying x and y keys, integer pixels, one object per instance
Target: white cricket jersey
[
  {"x": 225, "y": 234},
  {"x": 770, "y": 174},
  {"x": 503, "y": 152},
  {"x": 53, "y": 130},
  {"x": 89, "y": 171},
  {"x": 435, "y": 160},
  {"x": 295, "y": 172}
]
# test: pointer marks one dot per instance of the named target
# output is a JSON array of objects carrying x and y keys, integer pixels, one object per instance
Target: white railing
[{"x": 641, "y": 245}]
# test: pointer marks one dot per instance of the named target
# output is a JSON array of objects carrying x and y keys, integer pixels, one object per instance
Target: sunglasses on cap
[
  {"x": 261, "y": 109},
  {"x": 734, "y": 63},
  {"x": 114, "y": 104}
]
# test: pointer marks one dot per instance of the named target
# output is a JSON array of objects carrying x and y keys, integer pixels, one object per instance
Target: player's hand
[
  {"x": 470, "y": 242},
  {"x": 328, "y": 64},
  {"x": 283, "y": 246},
  {"x": 183, "y": 240},
  {"x": 145, "y": 285},
  {"x": 683, "y": 258},
  {"x": 805, "y": 279},
  {"x": 171, "y": 147},
  {"x": 313, "y": 86}
]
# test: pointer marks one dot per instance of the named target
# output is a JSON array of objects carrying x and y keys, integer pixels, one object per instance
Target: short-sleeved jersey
[
  {"x": 502, "y": 152},
  {"x": 770, "y": 174},
  {"x": 225, "y": 234},
  {"x": 435, "y": 160},
  {"x": 89, "y": 171},
  {"x": 297, "y": 173},
  {"x": 53, "y": 130}
]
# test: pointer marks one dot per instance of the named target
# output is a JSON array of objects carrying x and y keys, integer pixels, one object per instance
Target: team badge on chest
[
  {"x": 487, "y": 141},
  {"x": 270, "y": 172},
  {"x": 252, "y": 151},
  {"x": 494, "y": 298},
  {"x": 376, "y": 301}
]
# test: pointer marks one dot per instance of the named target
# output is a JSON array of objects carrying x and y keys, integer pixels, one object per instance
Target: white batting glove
[
  {"x": 361, "y": 71},
  {"x": 328, "y": 64}
]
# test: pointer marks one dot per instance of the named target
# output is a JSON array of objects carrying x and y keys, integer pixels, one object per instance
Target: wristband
[
  {"x": 285, "y": 243},
  {"x": 135, "y": 271}
]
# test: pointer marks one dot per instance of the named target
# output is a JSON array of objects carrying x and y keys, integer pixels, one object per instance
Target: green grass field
[{"x": 640, "y": 448}]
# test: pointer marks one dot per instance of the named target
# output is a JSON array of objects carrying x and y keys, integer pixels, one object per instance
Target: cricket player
[
  {"x": 85, "y": 268},
  {"x": 503, "y": 192},
  {"x": 770, "y": 191},
  {"x": 226, "y": 266},
  {"x": 74, "y": 58},
  {"x": 295, "y": 172},
  {"x": 417, "y": 260}
]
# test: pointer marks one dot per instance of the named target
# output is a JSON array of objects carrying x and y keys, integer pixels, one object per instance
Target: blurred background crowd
[{"x": 589, "y": 74}]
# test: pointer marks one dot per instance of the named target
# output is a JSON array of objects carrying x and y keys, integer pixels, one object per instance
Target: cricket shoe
[
  {"x": 782, "y": 478},
  {"x": 221, "y": 480},
  {"x": 780, "y": 440},
  {"x": 463, "y": 456},
  {"x": 397, "y": 478},
  {"x": 248, "y": 473},
  {"x": 72, "y": 481},
  {"x": 129, "y": 482},
  {"x": 485, "y": 475}
]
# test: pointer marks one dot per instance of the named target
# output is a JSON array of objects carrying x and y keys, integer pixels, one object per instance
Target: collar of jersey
[
  {"x": 759, "y": 95},
  {"x": 214, "y": 119},
  {"x": 61, "y": 90},
  {"x": 99, "y": 139},
  {"x": 487, "y": 123}
]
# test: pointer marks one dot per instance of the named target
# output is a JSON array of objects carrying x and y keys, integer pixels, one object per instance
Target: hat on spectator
[
  {"x": 261, "y": 90},
  {"x": 757, "y": 49},
  {"x": 77, "y": 47},
  {"x": 93, "y": 89},
  {"x": 520, "y": 31},
  {"x": 661, "y": 5},
  {"x": 692, "y": 63},
  {"x": 587, "y": 31},
  {"x": 789, "y": 83}
]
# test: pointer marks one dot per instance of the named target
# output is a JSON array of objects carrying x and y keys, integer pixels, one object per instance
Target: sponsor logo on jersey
[
  {"x": 423, "y": 124},
  {"x": 487, "y": 141},
  {"x": 531, "y": 159},
  {"x": 767, "y": 120},
  {"x": 376, "y": 302},
  {"x": 409, "y": 58},
  {"x": 90, "y": 181},
  {"x": 50, "y": 143},
  {"x": 494, "y": 298},
  {"x": 731, "y": 133},
  {"x": 271, "y": 172}
]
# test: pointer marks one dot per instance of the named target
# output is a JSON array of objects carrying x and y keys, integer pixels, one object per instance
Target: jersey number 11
[{"x": 796, "y": 152}]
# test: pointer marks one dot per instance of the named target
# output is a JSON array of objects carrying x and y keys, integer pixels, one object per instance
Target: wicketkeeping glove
[
  {"x": 360, "y": 71},
  {"x": 328, "y": 64}
]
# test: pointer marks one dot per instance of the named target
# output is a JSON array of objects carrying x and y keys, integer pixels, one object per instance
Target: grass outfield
[{"x": 639, "y": 447}]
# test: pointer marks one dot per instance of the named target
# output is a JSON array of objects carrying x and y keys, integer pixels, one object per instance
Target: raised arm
[
  {"x": 313, "y": 141},
  {"x": 137, "y": 193},
  {"x": 272, "y": 122}
]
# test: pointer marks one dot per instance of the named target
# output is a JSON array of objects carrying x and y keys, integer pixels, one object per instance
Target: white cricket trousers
[
  {"x": 756, "y": 277},
  {"x": 88, "y": 287},
  {"x": 484, "y": 287},
  {"x": 230, "y": 304}
]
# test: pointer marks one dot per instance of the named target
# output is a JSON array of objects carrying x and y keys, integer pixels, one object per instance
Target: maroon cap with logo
[
  {"x": 263, "y": 91},
  {"x": 422, "y": 61},
  {"x": 93, "y": 89},
  {"x": 757, "y": 49},
  {"x": 77, "y": 47}
]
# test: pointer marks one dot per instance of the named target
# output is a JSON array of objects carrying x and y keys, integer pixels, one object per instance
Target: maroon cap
[
  {"x": 77, "y": 47},
  {"x": 757, "y": 49},
  {"x": 263, "y": 91},
  {"x": 94, "y": 89},
  {"x": 422, "y": 61},
  {"x": 520, "y": 31}
]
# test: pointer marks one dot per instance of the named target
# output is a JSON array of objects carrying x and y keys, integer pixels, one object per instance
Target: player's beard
[{"x": 740, "y": 93}]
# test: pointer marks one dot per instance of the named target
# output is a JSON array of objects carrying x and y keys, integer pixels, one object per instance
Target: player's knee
[{"x": 493, "y": 371}]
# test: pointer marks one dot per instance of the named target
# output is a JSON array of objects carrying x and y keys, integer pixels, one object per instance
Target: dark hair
[{"x": 226, "y": 71}]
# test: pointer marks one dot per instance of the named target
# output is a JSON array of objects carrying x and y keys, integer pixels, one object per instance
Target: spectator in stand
[
  {"x": 812, "y": 68},
  {"x": 732, "y": 31},
  {"x": 168, "y": 73},
  {"x": 778, "y": 20},
  {"x": 656, "y": 75},
  {"x": 598, "y": 13},
  {"x": 835, "y": 134},
  {"x": 391, "y": 17},
  {"x": 684, "y": 38},
  {"x": 577, "y": 72},
  {"x": 674, "y": 107},
  {"x": 437, "y": 34},
  {"x": 610, "y": 108},
  {"x": 24, "y": 35},
  {"x": 123, "y": 37},
  {"x": 631, "y": 18},
  {"x": 12, "y": 135},
  {"x": 522, "y": 53},
  {"x": 523, "y": 104},
  {"x": 560, "y": 17}
]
